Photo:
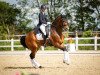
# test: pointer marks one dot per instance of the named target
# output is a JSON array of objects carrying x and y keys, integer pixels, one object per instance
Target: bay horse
[{"x": 56, "y": 38}]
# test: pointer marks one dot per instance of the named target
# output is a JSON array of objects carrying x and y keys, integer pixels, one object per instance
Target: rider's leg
[{"x": 42, "y": 27}]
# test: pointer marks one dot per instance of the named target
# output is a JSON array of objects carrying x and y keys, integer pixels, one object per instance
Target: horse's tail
[{"x": 22, "y": 41}]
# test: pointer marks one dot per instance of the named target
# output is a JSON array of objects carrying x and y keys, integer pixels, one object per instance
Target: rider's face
[{"x": 43, "y": 10}]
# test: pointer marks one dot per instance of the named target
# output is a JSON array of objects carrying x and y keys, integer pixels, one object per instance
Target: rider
[{"x": 43, "y": 21}]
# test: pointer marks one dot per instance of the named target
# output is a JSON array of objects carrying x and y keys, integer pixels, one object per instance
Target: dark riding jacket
[{"x": 42, "y": 19}]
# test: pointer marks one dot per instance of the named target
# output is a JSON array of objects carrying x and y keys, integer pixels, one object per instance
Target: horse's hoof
[
  {"x": 66, "y": 62},
  {"x": 40, "y": 67}
]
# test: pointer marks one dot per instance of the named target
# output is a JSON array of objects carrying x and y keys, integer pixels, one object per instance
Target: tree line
[{"x": 82, "y": 15}]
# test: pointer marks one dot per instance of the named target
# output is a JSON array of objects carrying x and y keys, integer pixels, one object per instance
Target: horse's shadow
[
  {"x": 19, "y": 67},
  {"x": 31, "y": 67},
  {"x": 21, "y": 73}
]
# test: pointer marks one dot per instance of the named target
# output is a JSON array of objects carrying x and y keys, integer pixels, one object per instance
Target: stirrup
[
  {"x": 45, "y": 45},
  {"x": 45, "y": 41}
]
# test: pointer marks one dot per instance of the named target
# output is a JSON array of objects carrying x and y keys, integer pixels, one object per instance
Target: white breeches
[{"x": 42, "y": 27}]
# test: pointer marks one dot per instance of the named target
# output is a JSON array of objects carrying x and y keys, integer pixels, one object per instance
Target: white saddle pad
[{"x": 39, "y": 36}]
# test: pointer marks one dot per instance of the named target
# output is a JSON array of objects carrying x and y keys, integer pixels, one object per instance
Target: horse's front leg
[
  {"x": 60, "y": 46},
  {"x": 66, "y": 58}
]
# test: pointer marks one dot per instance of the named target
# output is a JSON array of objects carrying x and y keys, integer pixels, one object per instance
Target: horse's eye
[{"x": 63, "y": 20}]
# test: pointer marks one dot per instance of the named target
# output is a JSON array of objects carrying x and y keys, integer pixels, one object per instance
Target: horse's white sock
[
  {"x": 36, "y": 64},
  {"x": 66, "y": 57}
]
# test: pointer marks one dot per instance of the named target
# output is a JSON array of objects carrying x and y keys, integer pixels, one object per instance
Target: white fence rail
[{"x": 95, "y": 44}]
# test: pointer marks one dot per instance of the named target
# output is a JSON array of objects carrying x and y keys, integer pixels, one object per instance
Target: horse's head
[
  {"x": 64, "y": 22},
  {"x": 61, "y": 22}
]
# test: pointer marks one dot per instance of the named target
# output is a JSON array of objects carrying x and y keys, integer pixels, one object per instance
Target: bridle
[{"x": 64, "y": 20}]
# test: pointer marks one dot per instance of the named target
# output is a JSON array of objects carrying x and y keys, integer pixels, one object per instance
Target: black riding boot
[{"x": 45, "y": 40}]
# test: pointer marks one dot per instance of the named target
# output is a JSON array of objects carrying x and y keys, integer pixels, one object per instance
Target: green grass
[
  {"x": 89, "y": 41},
  {"x": 86, "y": 47}
]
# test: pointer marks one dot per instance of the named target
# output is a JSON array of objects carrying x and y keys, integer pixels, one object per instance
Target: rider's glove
[{"x": 48, "y": 23}]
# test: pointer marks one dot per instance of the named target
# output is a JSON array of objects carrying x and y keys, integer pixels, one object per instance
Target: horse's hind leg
[{"x": 34, "y": 62}]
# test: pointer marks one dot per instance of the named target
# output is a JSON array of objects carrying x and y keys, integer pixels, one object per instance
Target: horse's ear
[{"x": 63, "y": 16}]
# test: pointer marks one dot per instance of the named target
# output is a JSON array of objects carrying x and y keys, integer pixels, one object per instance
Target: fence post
[
  {"x": 12, "y": 44},
  {"x": 42, "y": 47},
  {"x": 95, "y": 42},
  {"x": 76, "y": 39}
]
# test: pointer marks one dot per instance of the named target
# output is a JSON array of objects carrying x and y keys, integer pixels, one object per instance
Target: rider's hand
[{"x": 48, "y": 23}]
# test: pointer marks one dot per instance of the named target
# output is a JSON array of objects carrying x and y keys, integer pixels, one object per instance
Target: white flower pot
[{"x": 71, "y": 47}]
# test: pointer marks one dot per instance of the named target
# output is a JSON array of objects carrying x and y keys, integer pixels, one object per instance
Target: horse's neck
[
  {"x": 58, "y": 30},
  {"x": 57, "y": 26}
]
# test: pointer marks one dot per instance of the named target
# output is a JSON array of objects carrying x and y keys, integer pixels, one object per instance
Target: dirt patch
[{"x": 52, "y": 65}]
